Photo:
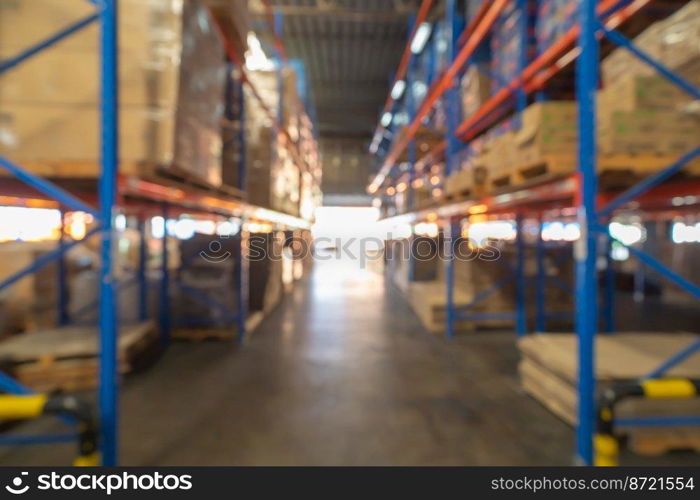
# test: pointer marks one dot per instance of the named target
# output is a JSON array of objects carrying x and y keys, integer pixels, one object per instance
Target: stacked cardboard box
[
  {"x": 547, "y": 128},
  {"x": 674, "y": 41},
  {"x": 498, "y": 153},
  {"x": 171, "y": 79},
  {"x": 642, "y": 114},
  {"x": 475, "y": 89},
  {"x": 425, "y": 140}
]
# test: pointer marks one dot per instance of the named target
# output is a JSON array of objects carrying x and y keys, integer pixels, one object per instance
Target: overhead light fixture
[
  {"x": 421, "y": 38},
  {"x": 398, "y": 90},
  {"x": 386, "y": 119}
]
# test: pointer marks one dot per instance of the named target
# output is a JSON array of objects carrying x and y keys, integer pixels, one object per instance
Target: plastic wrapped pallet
[
  {"x": 509, "y": 45},
  {"x": 49, "y": 116},
  {"x": 554, "y": 19},
  {"x": 475, "y": 88}
]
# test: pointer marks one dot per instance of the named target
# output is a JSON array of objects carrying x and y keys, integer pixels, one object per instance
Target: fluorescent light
[
  {"x": 421, "y": 38},
  {"x": 398, "y": 90},
  {"x": 386, "y": 119}
]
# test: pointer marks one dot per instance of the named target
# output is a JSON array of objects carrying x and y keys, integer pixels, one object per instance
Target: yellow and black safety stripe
[
  {"x": 607, "y": 448},
  {"x": 30, "y": 406}
]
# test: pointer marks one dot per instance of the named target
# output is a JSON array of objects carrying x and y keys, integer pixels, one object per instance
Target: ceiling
[{"x": 350, "y": 49}]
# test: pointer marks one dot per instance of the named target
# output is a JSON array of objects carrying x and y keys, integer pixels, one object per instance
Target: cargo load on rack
[
  {"x": 68, "y": 358},
  {"x": 547, "y": 128},
  {"x": 274, "y": 159},
  {"x": 554, "y": 19},
  {"x": 475, "y": 89},
  {"x": 171, "y": 76},
  {"x": 645, "y": 114},
  {"x": 548, "y": 372},
  {"x": 675, "y": 42},
  {"x": 512, "y": 43}
]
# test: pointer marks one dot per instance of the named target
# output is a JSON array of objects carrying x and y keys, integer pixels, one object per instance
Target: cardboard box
[
  {"x": 636, "y": 92},
  {"x": 548, "y": 128},
  {"x": 71, "y": 133},
  {"x": 475, "y": 89},
  {"x": 647, "y": 131},
  {"x": 142, "y": 23},
  {"x": 71, "y": 76}
]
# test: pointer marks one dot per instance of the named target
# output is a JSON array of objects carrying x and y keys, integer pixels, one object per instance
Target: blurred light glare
[{"x": 627, "y": 234}]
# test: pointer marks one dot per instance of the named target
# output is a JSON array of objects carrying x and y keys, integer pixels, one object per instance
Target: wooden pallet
[
  {"x": 66, "y": 358},
  {"x": 85, "y": 173},
  {"x": 548, "y": 374},
  {"x": 614, "y": 170},
  {"x": 216, "y": 334},
  {"x": 428, "y": 301}
]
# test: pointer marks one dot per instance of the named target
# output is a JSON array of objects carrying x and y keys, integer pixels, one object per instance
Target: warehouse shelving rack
[
  {"x": 132, "y": 195},
  {"x": 579, "y": 191}
]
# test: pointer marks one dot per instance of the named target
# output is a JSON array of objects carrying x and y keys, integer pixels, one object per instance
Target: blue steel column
[
  {"x": 242, "y": 151},
  {"x": 452, "y": 110},
  {"x": 451, "y": 247},
  {"x": 586, "y": 247},
  {"x": 108, "y": 391},
  {"x": 540, "y": 282},
  {"x": 242, "y": 277},
  {"x": 141, "y": 272},
  {"x": 164, "y": 316},
  {"x": 62, "y": 282},
  {"x": 451, "y": 94},
  {"x": 520, "y": 306},
  {"x": 412, "y": 157}
]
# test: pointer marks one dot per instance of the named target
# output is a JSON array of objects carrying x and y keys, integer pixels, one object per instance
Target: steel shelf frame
[
  {"x": 597, "y": 19},
  {"x": 139, "y": 197},
  {"x": 106, "y": 17}
]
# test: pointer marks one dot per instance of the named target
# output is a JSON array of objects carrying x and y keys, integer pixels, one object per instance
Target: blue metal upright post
[
  {"x": 411, "y": 110},
  {"x": 412, "y": 157},
  {"x": 164, "y": 313},
  {"x": 62, "y": 282},
  {"x": 540, "y": 282},
  {"x": 520, "y": 306},
  {"x": 142, "y": 269},
  {"x": 586, "y": 247},
  {"x": 108, "y": 392},
  {"x": 453, "y": 108},
  {"x": 242, "y": 146},
  {"x": 242, "y": 277},
  {"x": 451, "y": 248}
]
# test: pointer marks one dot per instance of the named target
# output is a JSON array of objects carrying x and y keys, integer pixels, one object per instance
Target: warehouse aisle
[{"x": 340, "y": 374}]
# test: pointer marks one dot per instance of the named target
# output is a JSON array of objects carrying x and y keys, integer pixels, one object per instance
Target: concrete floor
[{"x": 340, "y": 374}]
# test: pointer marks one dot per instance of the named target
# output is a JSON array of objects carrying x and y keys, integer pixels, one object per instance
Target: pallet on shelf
[
  {"x": 466, "y": 184},
  {"x": 548, "y": 373},
  {"x": 67, "y": 358},
  {"x": 429, "y": 301},
  {"x": 614, "y": 170}
]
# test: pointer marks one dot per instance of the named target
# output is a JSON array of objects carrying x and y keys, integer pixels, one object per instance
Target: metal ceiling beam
[{"x": 325, "y": 8}]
